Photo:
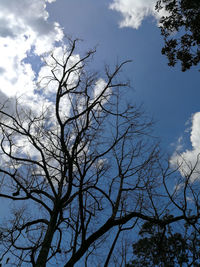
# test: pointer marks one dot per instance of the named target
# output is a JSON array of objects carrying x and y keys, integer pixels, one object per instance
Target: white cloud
[
  {"x": 135, "y": 11},
  {"x": 100, "y": 85},
  {"x": 24, "y": 27},
  {"x": 190, "y": 159},
  {"x": 45, "y": 75},
  {"x": 50, "y": 1},
  {"x": 25, "y": 36}
]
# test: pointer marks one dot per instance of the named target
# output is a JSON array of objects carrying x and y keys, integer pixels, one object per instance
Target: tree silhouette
[
  {"x": 80, "y": 167},
  {"x": 180, "y": 28},
  {"x": 164, "y": 247}
]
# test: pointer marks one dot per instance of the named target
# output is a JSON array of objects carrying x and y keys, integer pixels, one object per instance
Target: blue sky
[
  {"x": 169, "y": 95},
  {"x": 121, "y": 30}
]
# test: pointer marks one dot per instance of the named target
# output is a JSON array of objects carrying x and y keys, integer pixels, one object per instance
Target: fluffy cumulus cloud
[
  {"x": 134, "y": 11},
  {"x": 24, "y": 30},
  {"x": 27, "y": 39},
  {"x": 25, "y": 35},
  {"x": 189, "y": 160}
]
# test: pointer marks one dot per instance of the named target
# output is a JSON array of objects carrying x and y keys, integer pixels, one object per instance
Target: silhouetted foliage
[
  {"x": 161, "y": 246},
  {"x": 180, "y": 28}
]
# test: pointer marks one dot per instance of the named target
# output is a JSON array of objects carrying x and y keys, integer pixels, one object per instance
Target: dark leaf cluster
[
  {"x": 163, "y": 246},
  {"x": 180, "y": 28}
]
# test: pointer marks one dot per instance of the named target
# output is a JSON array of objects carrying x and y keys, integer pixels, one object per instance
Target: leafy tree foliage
[
  {"x": 180, "y": 28},
  {"x": 164, "y": 247}
]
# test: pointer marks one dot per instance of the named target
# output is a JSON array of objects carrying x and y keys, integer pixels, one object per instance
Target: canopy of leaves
[
  {"x": 183, "y": 17},
  {"x": 164, "y": 247}
]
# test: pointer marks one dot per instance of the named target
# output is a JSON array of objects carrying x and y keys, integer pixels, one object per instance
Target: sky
[{"x": 121, "y": 30}]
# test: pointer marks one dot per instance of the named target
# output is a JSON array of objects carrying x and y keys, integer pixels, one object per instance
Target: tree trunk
[{"x": 46, "y": 244}]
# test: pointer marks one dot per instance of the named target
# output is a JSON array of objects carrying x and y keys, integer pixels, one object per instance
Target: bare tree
[{"x": 77, "y": 169}]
